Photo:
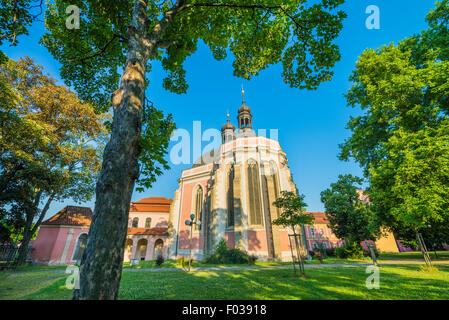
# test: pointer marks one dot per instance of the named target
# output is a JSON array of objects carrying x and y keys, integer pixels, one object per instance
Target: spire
[
  {"x": 227, "y": 130},
  {"x": 245, "y": 117}
]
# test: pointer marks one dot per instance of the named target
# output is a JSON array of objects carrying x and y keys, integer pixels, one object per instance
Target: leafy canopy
[
  {"x": 258, "y": 33},
  {"x": 292, "y": 206},
  {"x": 50, "y": 143},
  {"x": 402, "y": 138},
  {"x": 16, "y": 16},
  {"x": 349, "y": 217}
]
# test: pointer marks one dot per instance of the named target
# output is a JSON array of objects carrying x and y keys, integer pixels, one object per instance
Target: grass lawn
[
  {"x": 396, "y": 282},
  {"x": 415, "y": 255}
]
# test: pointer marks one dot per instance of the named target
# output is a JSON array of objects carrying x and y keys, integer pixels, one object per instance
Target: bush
[
  {"x": 330, "y": 252},
  {"x": 159, "y": 260},
  {"x": 225, "y": 255},
  {"x": 353, "y": 251},
  {"x": 340, "y": 253},
  {"x": 252, "y": 259}
]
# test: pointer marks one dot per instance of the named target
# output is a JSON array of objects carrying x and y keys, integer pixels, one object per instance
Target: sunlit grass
[{"x": 396, "y": 282}]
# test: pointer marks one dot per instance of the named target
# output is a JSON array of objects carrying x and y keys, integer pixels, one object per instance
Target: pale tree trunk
[
  {"x": 101, "y": 265},
  {"x": 28, "y": 229},
  {"x": 298, "y": 252}
]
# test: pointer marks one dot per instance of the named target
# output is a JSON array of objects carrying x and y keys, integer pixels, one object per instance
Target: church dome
[
  {"x": 228, "y": 125},
  {"x": 244, "y": 108}
]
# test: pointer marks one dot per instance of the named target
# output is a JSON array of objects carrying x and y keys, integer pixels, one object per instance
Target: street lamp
[{"x": 190, "y": 223}]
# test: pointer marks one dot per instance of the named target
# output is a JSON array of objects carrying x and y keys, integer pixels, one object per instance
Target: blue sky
[{"x": 310, "y": 124}]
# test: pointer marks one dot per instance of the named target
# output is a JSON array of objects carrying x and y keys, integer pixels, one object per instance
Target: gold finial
[{"x": 243, "y": 95}]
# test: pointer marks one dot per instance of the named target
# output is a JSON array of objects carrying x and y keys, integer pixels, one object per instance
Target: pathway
[{"x": 307, "y": 266}]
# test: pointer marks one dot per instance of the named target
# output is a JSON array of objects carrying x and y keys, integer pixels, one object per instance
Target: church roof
[
  {"x": 244, "y": 107},
  {"x": 148, "y": 231},
  {"x": 207, "y": 157},
  {"x": 320, "y": 217},
  {"x": 228, "y": 125},
  {"x": 151, "y": 204},
  {"x": 71, "y": 216}
]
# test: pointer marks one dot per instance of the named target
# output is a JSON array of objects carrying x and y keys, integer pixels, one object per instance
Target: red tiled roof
[
  {"x": 148, "y": 231},
  {"x": 71, "y": 216},
  {"x": 320, "y": 217},
  {"x": 151, "y": 204}
]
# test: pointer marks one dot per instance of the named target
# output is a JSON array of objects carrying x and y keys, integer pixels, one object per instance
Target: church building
[{"x": 231, "y": 191}]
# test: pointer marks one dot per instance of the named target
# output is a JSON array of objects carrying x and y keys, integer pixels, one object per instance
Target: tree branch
[{"x": 102, "y": 50}]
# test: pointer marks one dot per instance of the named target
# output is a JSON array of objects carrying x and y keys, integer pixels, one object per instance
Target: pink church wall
[
  {"x": 184, "y": 232},
  {"x": 230, "y": 239},
  {"x": 50, "y": 244},
  {"x": 43, "y": 245},
  {"x": 284, "y": 241},
  {"x": 257, "y": 240}
]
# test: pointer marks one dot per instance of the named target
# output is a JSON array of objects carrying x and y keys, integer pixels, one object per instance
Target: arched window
[
  {"x": 135, "y": 222},
  {"x": 158, "y": 246},
  {"x": 148, "y": 223},
  {"x": 80, "y": 247},
  {"x": 230, "y": 196},
  {"x": 198, "y": 206},
  {"x": 255, "y": 211},
  {"x": 274, "y": 172},
  {"x": 141, "y": 249}
]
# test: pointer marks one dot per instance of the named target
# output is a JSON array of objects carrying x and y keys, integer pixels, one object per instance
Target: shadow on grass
[{"x": 396, "y": 282}]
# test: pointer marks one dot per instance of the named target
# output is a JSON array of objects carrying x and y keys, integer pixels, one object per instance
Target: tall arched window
[
  {"x": 274, "y": 172},
  {"x": 80, "y": 247},
  {"x": 230, "y": 195},
  {"x": 148, "y": 223},
  {"x": 158, "y": 246},
  {"x": 255, "y": 208},
  {"x": 135, "y": 222},
  {"x": 198, "y": 206}
]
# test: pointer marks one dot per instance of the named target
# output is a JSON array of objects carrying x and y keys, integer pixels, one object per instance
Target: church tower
[
  {"x": 232, "y": 194},
  {"x": 227, "y": 131},
  {"x": 245, "y": 118}
]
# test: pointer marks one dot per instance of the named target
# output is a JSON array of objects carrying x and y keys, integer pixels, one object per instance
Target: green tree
[
  {"x": 401, "y": 138},
  {"x": 349, "y": 218},
  {"x": 292, "y": 215},
  {"x": 129, "y": 35},
  {"x": 50, "y": 147},
  {"x": 16, "y": 16}
]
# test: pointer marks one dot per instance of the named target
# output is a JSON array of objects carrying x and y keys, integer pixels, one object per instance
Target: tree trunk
[
  {"x": 298, "y": 252},
  {"x": 28, "y": 229},
  {"x": 101, "y": 266}
]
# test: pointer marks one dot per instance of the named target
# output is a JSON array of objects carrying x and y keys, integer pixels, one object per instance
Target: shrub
[
  {"x": 225, "y": 255},
  {"x": 252, "y": 259},
  {"x": 353, "y": 251},
  {"x": 330, "y": 252},
  {"x": 340, "y": 253},
  {"x": 159, "y": 260}
]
